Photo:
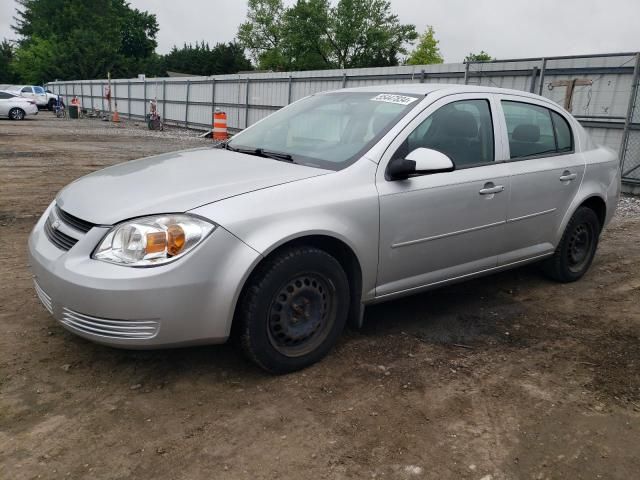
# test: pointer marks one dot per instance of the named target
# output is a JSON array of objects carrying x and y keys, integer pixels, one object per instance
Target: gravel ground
[
  {"x": 506, "y": 377},
  {"x": 628, "y": 207}
]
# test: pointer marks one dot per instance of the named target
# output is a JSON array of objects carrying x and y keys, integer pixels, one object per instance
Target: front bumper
[{"x": 190, "y": 301}]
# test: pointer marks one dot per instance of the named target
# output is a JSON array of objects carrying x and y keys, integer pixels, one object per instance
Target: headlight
[{"x": 151, "y": 241}]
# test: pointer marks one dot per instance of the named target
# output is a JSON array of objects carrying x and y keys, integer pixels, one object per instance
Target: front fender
[{"x": 342, "y": 205}]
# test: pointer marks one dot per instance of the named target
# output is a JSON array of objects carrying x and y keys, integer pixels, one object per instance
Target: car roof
[{"x": 426, "y": 88}]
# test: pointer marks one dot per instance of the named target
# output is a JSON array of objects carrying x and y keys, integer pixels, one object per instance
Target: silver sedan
[{"x": 284, "y": 234}]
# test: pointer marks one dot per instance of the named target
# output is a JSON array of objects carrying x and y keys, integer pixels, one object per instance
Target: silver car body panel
[
  {"x": 173, "y": 182},
  {"x": 190, "y": 299},
  {"x": 407, "y": 235}
]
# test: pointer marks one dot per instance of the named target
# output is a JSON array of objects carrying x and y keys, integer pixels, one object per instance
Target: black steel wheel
[
  {"x": 301, "y": 314},
  {"x": 292, "y": 309},
  {"x": 16, "y": 114},
  {"x": 575, "y": 252}
]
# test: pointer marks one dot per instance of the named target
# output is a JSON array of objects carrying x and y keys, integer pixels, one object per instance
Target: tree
[
  {"x": 311, "y": 34},
  {"x": 7, "y": 55},
  {"x": 304, "y": 39},
  {"x": 67, "y": 39},
  {"x": 427, "y": 52},
  {"x": 200, "y": 59},
  {"x": 262, "y": 33},
  {"x": 478, "y": 57}
]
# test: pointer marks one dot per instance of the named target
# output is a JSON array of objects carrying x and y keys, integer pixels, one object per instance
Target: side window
[
  {"x": 39, "y": 90},
  {"x": 27, "y": 90},
  {"x": 562, "y": 130},
  {"x": 530, "y": 129},
  {"x": 462, "y": 130}
]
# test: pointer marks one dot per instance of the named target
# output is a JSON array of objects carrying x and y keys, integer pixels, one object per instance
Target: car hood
[{"x": 173, "y": 182}]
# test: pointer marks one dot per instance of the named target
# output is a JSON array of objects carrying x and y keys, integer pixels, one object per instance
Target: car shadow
[
  {"x": 457, "y": 314},
  {"x": 461, "y": 314}
]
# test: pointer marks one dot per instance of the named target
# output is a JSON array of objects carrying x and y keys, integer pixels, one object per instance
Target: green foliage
[
  {"x": 427, "y": 52},
  {"x": 478, "y": 57},
  {"x": 312, "y": 34},
  {"x": 262, "y": 33},
  {"x": 7, "y": 54},
  {"x": 70, "y": 39},
  {"x": 200, "y": 59}
]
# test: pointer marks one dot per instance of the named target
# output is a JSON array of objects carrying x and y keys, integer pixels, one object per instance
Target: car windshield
[{"x": 327, "y": 130}]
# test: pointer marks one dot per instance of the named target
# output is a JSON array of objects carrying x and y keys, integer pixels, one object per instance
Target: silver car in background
[
  {"x": 341, "y": 200},
  {"x": 15, "y": 107}
]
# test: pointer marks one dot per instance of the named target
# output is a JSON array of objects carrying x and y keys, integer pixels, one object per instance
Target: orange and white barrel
[{"x": 220, "y": 125}]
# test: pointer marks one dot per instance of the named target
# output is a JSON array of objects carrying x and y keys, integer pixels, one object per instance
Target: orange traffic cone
[{"x": 115, "y": 118}]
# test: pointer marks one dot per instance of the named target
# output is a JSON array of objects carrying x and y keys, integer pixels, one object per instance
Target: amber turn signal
[
  {"x": 156, "y": 242},
  {"x": 175, "y": 239}
]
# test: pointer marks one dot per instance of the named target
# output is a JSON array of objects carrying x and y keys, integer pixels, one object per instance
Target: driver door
[{"x": 444, "y": 226}]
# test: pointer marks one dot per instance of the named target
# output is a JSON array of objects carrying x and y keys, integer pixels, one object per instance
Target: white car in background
[
  {"x": 32, "y": 92},
  {"x": 16, "y": 107}
]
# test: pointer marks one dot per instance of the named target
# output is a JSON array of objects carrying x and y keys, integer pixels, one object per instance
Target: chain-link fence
[
  {"x": 631, "y": 143},
  {"x": 600, "y": 90}
]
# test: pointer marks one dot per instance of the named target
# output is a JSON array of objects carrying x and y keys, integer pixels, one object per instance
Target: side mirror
[{"x": 421, "y": 161}]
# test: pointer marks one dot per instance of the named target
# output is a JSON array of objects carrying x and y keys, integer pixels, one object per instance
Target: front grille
[
  {"x": 59, "y": 239},
  {"x": 44, "y": 298},
  {"x": 123, "y": 329},
  {"x": 74, "y": 222}
]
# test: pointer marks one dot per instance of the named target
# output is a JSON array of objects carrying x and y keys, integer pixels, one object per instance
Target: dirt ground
[{"x": 507, "y": 377}]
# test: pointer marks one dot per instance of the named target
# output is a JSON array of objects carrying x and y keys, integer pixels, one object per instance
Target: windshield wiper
[
  {"x": 275, "y": 155},
  {"x": 261, "y": 152}
]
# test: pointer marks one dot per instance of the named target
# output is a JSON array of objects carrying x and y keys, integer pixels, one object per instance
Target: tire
[
  {"x": 292, "y": 309},
  {"x": 575, "y": 252},
  {"x": 16, "y": 114},
  {"x": 51, "y": 105}
]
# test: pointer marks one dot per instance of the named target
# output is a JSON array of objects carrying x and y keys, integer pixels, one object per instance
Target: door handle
[
  {"x": 490, "y": 190},
  {"x": 567, "y": 176}
]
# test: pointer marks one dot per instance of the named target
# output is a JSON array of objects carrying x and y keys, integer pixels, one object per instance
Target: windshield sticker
[{"x": 391, "y": 98}]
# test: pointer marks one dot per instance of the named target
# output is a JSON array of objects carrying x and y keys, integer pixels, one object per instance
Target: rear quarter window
[{"x": 564, "y": 138}]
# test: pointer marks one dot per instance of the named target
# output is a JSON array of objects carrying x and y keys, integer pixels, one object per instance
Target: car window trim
[
  {"x": 540, "y": 155},
  {"x": 553, "y": 122},
  {"x": 485, "y": 97}
]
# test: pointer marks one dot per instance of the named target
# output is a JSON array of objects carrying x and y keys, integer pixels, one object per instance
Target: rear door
[
  {"x": 27, "y": 92},
  {"x": 546, "y": 172},
  {"x": 40, "y": 96}
]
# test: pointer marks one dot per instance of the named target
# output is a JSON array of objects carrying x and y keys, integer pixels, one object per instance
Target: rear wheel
[
  {"x": 16, "y": 114},
  {"x": 293, "y": 309},
  {"x": 576, "y": 249}
]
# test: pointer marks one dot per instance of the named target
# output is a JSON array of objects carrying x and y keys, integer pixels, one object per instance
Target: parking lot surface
[{"x": 507, "y": 377}]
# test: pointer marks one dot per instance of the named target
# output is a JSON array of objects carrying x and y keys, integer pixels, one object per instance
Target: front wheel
[
  {"x": 16, "y": 114},
  {"x": 293, "y": 309},
  {"x": 575, "y": 252}
]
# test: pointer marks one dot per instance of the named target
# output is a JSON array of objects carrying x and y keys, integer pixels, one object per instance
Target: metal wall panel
[{"x": 603, "y": 106}]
